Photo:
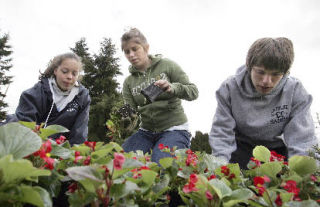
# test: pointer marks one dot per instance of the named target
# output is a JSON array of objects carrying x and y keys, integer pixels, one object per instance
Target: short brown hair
[
  {"x": 133, "y": 34},
  {"x": 271, "y": 53}
]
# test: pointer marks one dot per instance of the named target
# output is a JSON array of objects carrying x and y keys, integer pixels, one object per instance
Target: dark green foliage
[
  {"x": 100, "y": 71},
  {"x": 5, "y": 65},
  {"x": 200, "y": 142}
]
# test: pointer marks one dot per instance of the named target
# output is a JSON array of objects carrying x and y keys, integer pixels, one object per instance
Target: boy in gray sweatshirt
[{"x": 262, "y": 105}]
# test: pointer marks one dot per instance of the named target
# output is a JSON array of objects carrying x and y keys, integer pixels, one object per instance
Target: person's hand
[{"x": 164, "y": 85}]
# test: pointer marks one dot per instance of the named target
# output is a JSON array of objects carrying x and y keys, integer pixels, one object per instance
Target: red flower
[
  {"x": 192, "y": 159},
  {"x": 61, "y": 139},
  {"x": 189, "y": 151},
  {"x": 259, "y": 183},
  {"x": 193, "y": 178},
  {"x": 92, "y": 145},
  {"x": 225, "y": 170},
  {"x": 118, "y": 161},
  {"x": 189, "y": 188},
  {"x": 209, "y": 195},
  {"x": 313, "y": 178},
  {"x": 49, "y": 163},
  {"x": 291, "y": 187},
  {"x": 278, "y": 200},
  {"x": 231, "y": 176},
  {"x": 87, "y": 161},
  {"x": 77, "y": 156},
  {"x": 256, "y": 162},
  {"x": 162, "y": 147},
  {"x": 72, "y": 188},
  {"x": 144, "y": 168},
  {"x": 212, "y": 177},
  {"x": 276, "y": 157}
]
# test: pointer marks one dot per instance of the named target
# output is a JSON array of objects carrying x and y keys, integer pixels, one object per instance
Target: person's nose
[
  {"x": 131, "y": 53},
  {"x": 69, "y": 75},
  {"x": 266, "y": 79}
]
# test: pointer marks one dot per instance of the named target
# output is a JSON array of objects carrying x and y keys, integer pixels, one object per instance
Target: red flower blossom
[
  {"x": 259, "y": 182},
  {"x": 144, "y": 168},
  {"x": 209, "y": 195},
  {"x": 92, "y": 145},
  {"x": 212, "y": 177},
  {"x": 162, "y": 147},
  {"x": 276, "y": 157},
  {"x": 189, "y": 151},
  {"x": 278, "y": 200},
  {"x": 77, "y": 156},
  {"x": 61, "y": 139},
  {"x": 256, "y": 162},
  {"x": 291, "y": 187},
  {"x": 192, "y": 159},
  {"x": 313, "y": 178},
  {"x": 49, "y": 163},
  {"x": 118, "y": 161},
  {"x": 168, "y": 197},
  {"x": 44, "y": 154},
  {"x": 87, "y": 161},
  {"x": 189, "y": 188},
  {"x": 193, "y": 178},
  {"x": 231, "y": 176},
  {"x": 72, "y": 188},
  {"x": 225, "y": 170}
]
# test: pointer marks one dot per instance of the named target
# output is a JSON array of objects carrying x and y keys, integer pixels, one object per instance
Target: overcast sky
[{"x": 209, "y": 39}]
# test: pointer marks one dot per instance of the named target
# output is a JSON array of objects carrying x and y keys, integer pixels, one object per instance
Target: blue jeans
[{"x": 148, "y": 141}]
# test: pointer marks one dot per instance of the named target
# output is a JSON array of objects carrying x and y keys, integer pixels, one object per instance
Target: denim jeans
[{"x": 148, "y": 141}]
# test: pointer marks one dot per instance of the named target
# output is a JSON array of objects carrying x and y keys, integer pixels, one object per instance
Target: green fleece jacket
[{"x": 166, "y": 111}]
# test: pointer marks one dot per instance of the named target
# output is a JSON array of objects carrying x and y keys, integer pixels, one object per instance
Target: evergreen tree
[
  {"x": 100, "y": 71},
  {"x": 5, "y": 65},
  {"x": 200, "y": 142}
]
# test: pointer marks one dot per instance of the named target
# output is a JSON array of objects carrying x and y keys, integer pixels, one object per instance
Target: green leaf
[
  {"x": 261, "y": 153},
  {"x": 60, "y": 151},
  {"x": 302, "y": 165},
  {"x": 122, "y": 190},
  {"x": 83, "y": 172},
  {"x": 52, "y": 129},
  {"x": 270, "y": 169},
  {"x": 148, "y": 176},
  {"x": 166, "y": 162},
  {"x": 213, "y": 162},
  {"x": 305, "y": 203},
  {"x": 36, "y": 196},
  {"x": 220, "y": 188},
  {"x": 14, "y": 171},
  {"x": 18, "y": 140}
]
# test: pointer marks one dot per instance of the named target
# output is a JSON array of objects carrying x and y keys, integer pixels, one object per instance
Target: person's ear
[{"x": 146, "y": 48}]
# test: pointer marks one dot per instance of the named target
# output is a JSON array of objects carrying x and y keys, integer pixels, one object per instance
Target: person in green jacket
[{"x": 163, "y": 121}]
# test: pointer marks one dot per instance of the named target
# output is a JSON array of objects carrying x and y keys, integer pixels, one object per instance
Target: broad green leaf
[
  {"x": 305, "y": 203},
  {"x": 18, "y": 140},
  {"x": 166, "y": 162},
  {"x": 83, "y": 172},
  {"x": 36, "y": 196},
  {"x": 122, "y": 190},
  {"x": 261, "y": 153},
  {"x": 62, "y": 152},
  {"x": 237, "y": 196},
  {"x": 14, "y": 171},
  {"x": 52, "y": 129},
  {"x": 90, "y": 185},
  {"x": 213, "y": 162},
  {"x": 162, "y": 185},
  {"x": 220, "y": 188},
  {"x": 302, "y": 165},
  {"x": 148, "y": 176},
  {"x": 270, "y": 169}
]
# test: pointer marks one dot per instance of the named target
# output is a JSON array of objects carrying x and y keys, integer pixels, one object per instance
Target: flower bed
[{"x": 33, "y": 167}]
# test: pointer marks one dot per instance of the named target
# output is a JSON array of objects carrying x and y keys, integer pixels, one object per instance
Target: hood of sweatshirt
[
  {"x": 154, "y": 60},
  {"x": 243, "y": 80}
]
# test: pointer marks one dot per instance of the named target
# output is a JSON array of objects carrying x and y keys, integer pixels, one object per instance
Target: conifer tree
[
  {"x": 5, "y": 65},
  {"x": 100, "y": 71},
  {"x": 200, "y": 142}
]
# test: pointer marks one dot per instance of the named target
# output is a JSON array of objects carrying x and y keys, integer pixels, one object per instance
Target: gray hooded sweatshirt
[{"x": 277, "y": 118}]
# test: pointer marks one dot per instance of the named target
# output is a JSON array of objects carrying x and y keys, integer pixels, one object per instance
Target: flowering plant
[{"x": 33, "y": 168}]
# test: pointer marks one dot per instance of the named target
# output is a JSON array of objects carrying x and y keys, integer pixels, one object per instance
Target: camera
[{"x": 151, "y": 92}]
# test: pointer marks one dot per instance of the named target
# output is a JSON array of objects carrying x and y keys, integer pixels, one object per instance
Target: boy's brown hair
[{"x": 271, "y": 53}]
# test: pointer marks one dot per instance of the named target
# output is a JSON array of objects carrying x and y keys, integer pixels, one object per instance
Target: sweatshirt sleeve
[
  {"x": 181, "y": 85},
  {"x": 299, "y": 133},
  {"x": 127, "y": 95},
  {"x": 79, "y": 130},
  {"x": 30, "y": 105},
  {"x": 222, "y": 134}
]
